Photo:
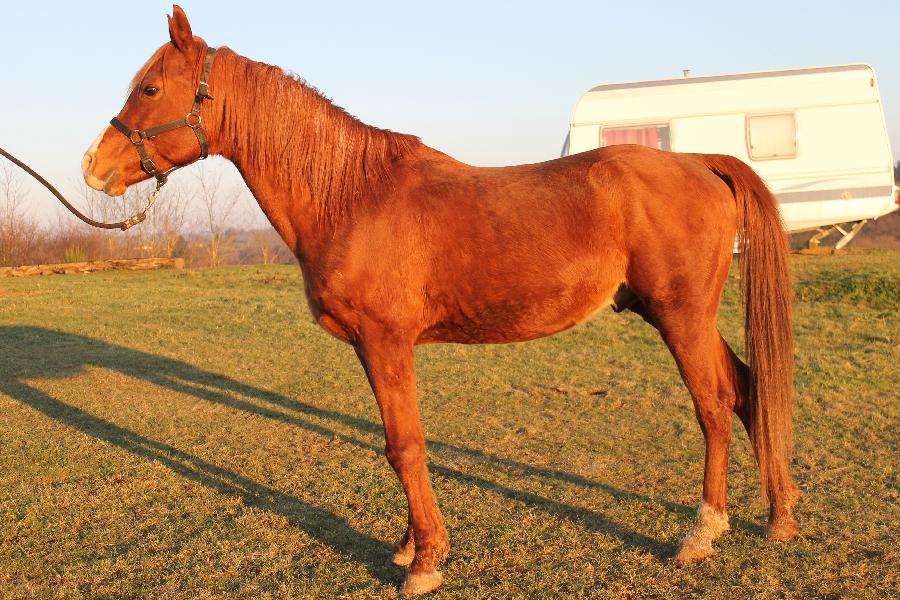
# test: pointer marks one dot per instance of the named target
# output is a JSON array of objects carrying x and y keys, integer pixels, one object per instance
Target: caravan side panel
[{"x": 839, "y": 167}]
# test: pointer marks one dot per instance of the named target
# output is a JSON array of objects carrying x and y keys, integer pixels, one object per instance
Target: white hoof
[
  {"x": 697, "y": 544},
  {"x": 421, "y": 583}
]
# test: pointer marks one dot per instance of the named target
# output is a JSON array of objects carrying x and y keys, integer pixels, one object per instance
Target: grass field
[{"x": 194, "y": 434}]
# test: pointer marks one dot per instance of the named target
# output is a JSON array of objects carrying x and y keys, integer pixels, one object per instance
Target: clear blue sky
[{"x": 490, "y": 83}]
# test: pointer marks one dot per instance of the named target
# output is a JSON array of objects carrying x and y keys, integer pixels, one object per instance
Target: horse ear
[{"x": 180, "y": 29}]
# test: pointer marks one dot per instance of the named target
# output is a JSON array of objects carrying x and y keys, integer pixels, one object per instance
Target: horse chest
[{"x": 332, "y": 311}]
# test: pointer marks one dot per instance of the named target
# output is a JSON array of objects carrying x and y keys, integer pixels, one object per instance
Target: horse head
[{"x": 159, "y": 128}]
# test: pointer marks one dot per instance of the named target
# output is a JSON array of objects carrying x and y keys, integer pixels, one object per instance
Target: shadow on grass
[{"x": 32, "y": 352}]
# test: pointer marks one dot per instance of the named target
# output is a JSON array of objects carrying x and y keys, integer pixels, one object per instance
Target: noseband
[{"x": 191, "y": 120}]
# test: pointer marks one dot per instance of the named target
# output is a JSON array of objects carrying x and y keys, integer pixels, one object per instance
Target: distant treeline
[
  {"x": 76, "y": 243},
  {"x": 207, "y": 224}
]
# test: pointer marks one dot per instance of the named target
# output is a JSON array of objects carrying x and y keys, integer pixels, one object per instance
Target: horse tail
[{"x": 769, "y": 340}]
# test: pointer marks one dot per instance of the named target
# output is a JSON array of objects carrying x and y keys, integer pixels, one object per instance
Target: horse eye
[{"x": 150, "y": 90}]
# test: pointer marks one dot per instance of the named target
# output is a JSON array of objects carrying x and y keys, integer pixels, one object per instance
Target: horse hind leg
[
  {"x": 705, "y": 365},
  {"x": 709, "y": 376},
  {"x": 718, "y": 382}
]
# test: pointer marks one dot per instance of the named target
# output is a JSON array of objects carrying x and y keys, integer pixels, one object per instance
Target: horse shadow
[{"x": 34, "y": 352}]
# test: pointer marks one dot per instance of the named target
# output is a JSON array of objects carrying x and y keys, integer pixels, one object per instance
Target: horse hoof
[
  {"x": 691, "y": 552},
  {"x": 403, "y": 557},
  {"x": 697, "y": 544},
  {"x": 421, "y": 583},
  {"x": 783, "y": 530}
]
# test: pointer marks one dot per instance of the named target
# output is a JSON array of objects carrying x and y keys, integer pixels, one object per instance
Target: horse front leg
[{"x": 388, "y": 361}]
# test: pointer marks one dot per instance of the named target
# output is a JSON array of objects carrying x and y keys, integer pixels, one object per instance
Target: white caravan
[{"x": 817, "y": 136}]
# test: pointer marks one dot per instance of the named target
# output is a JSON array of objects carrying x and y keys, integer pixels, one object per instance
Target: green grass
[
  {"x": 872, "y": 287},
  {"x": 195, "y": 434}
]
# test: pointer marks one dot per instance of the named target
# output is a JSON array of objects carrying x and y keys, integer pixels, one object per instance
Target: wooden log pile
[{"x": 129, "y": 264}]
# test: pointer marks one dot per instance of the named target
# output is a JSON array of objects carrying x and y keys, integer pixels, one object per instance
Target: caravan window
[
  {"x": 652, "y": 136},
  {"x": 771, "y": 136}
]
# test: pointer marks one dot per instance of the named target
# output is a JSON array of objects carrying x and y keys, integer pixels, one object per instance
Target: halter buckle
[
  {"x": 149, "y": 166},
  {"x": 193, "y": 120},
  {"x": 203, "y": 91}
]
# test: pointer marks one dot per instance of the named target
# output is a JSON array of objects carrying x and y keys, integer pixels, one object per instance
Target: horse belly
[{"x": 494, "y": 319}]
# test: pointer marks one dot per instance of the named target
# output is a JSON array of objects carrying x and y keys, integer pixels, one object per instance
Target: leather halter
[{"x": 191, "y": 120}]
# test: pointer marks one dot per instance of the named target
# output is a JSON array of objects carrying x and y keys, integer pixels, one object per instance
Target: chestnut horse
[{"x": 401, "y": 245}]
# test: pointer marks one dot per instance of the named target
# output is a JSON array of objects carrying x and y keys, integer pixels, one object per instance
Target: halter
[{"x": 191, "y": 120}]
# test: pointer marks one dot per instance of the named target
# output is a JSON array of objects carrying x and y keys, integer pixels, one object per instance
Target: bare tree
[
  {"x": 139, "y": 239},
  {"x": 259, "y": 238},
  {"x": 157, "y": 236},
  {"x": 264, "y": 245},
  {"x": 99, "y": 206},
  {"x": 18, "y": 232},
  {"x": 218, "y": 203},
  {"x": 166, "y": 220},
  {"x": 268, "y": 245}
]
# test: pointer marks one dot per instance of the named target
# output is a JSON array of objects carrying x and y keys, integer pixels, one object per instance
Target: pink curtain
[{"x": 643, "y": 136}]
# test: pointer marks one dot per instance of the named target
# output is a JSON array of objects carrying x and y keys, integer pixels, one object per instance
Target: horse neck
[{"x": 310, "y": 165}]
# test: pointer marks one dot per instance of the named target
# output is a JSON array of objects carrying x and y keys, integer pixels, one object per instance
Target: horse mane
[{"x": 287, "y": 129}]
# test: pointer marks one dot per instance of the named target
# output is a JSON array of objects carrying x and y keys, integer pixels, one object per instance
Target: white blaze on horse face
[{"x": 87, "y": 162}]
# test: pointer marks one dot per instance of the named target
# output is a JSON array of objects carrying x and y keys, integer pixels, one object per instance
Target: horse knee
[{"x": 404, "y": 454}]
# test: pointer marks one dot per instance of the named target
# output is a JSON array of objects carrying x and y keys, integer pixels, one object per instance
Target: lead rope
[{"x": 123, "y": 225}]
